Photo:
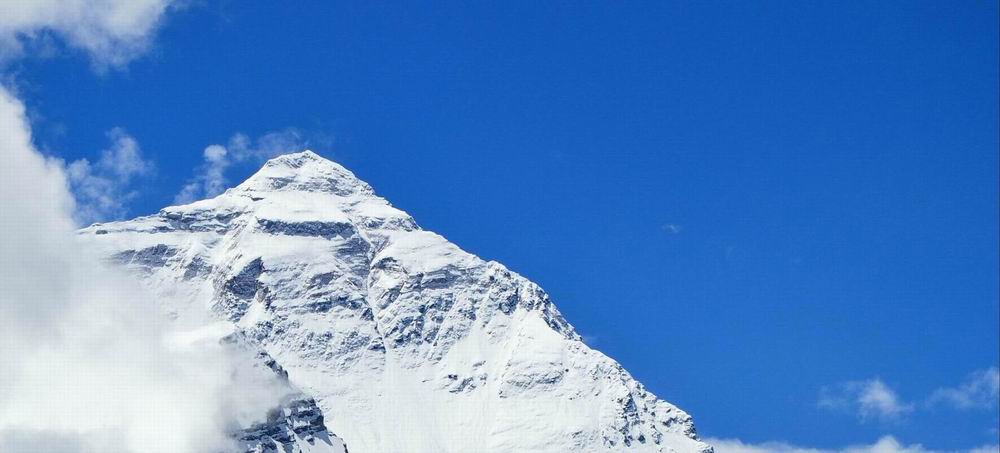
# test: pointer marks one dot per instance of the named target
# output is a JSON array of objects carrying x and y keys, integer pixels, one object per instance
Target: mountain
[{"x": 406, "y": 342}]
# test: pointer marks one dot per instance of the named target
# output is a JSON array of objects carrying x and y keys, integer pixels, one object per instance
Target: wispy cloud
[
  {"x": 873, "y": 399},
  {"x": 672, "y": 228},
  {"x": 209, "y": 180},
  {"x": 886, "y": 444},
  {"x": 210, "y": 177},
  {"x": 979, "y": 391},
  {"x": 103, "y": 188},
  {"x": 870, "y": 399}
]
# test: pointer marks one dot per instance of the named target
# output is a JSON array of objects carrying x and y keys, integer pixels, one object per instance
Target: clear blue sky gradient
[{"x": 832, "y": 166}]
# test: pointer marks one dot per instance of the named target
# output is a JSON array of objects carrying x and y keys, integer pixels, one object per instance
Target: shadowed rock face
[
  {"x": 406, "y": 342},
  {"x": 287, "y": 428},
  {"x": 296, "y": 425}
]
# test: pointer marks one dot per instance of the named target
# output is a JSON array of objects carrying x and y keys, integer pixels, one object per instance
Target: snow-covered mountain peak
[
  {"x": 406, "y": 342},
  {"x": 304, "y": 171}
]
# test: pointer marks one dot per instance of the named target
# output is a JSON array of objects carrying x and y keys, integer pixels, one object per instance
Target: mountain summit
[
  {"x": 305, "y": 171},
  {"x": 405, "y": 342}
]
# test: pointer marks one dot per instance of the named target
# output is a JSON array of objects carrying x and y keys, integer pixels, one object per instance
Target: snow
[{"x": 407, "y": 342}]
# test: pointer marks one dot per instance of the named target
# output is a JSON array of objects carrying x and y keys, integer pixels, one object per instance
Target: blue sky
[{"x": 781, "y": 216}]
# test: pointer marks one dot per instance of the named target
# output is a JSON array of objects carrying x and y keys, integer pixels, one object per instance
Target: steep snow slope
[{"x": 408, "y": 343}]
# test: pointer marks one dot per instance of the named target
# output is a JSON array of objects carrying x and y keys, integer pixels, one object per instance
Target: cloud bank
[
  {"x": 886, "y": 444},
  {"x": 87, "y": 365}
]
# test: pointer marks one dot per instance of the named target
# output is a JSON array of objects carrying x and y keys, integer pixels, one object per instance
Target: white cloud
[
  {"x": 102, "y": 189},
  {"x": 210, "y": 179},
  {"x": 980, "y": 391},
  {"x": 111, "y": 32},
  {"x": 672, "y": 228},
  {"x": 886, "y": 444},
  {"x": 738, "y": 446},
  {"x": 871, "y": 399},
  {"x": 86, "y": 367}
]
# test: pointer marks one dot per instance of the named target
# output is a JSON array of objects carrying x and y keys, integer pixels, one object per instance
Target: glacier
[{"x": 398, "y": 340}]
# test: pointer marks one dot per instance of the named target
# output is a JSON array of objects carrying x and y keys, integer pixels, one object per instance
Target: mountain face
[{"x": 405, "y": 342}]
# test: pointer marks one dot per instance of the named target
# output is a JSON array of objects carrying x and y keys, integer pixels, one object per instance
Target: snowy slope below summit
[{"x": 408, "y": 343}]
